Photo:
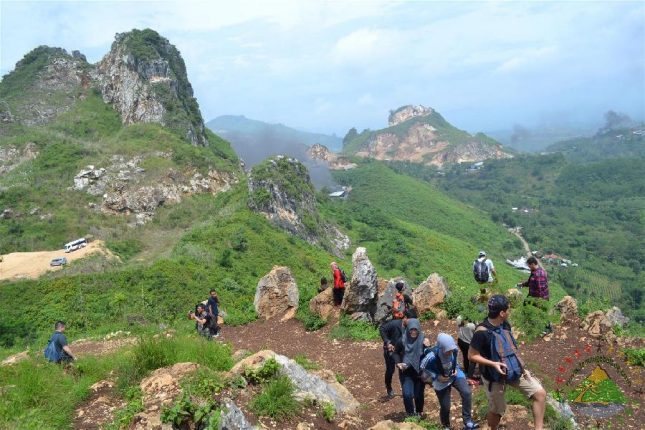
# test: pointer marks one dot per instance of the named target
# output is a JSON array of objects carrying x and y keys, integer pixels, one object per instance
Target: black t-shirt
[
  {"x": 212, "y": 305},
  {"x": 481, "y": 342}
]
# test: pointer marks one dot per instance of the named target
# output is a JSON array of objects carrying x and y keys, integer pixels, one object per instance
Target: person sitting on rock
[
  {"x": 392, "y": 332},
  {"x": 57, "y": 350},
  {"x": 202, "y": 320},
  {"x": 440, "y": 361},
  {"x": 339, "y": 284}
]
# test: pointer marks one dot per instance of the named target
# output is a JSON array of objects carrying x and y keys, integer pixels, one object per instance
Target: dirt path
[
  {"x": 525, "y": 244},
  {"x": 31, "y": 265}
]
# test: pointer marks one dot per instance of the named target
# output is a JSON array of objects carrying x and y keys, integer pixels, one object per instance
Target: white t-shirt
[{"x": 491, "y": 267}]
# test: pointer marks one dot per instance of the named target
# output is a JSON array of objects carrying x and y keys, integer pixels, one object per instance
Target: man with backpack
[
  {"x": 391, "y": 332},
  {"x": 439, "y": 367},
  {"x": 57, "y": 350},
  {"x": 484, "y": 269},
  {"x": 494, "y": 348},
  {"x": 401, "y": 302},
  {"x": 339, "y": 283}
]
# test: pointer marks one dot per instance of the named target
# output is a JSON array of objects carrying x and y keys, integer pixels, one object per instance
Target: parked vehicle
[
  {"x": 75, "y": 244},
  {"x": 58, "y": 261}
]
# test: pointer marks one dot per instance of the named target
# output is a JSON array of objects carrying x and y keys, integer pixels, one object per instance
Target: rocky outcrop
[
  {"x": 276, "y": 294},
  {"x": 391, "y": 425},
  {"x": 568, "y": 308},
  {"x": 323, "y": 304},
  {"x": 361, "y": 295},
  {"x": 233, "y": 418},
  {"x": 144, "y": 78},
  {"x": 386, "y": 294},
  {"x": 430, "y": 294},
  {"x": 280, "y": 189},
  {"x": 616, "y": 317},
  {"x": 322, "y": 154},
  {"x": 597, "y": 325},
  {"x": 405, "y": 113},
  {"x": 11, "y": 156},
  {"x": 515, "y": 296},
  {"x": 321, "y": 387}
]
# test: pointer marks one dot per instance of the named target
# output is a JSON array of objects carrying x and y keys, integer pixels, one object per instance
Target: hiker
[
  {"x": 57, "y": 350},
  {"x": 323, "y": 285},
  {"x": 392, "y": 334},
  {"x": 411, "y": 348},
  {"x": 466, "y": 329},
  {"x": 484, "y": 269},
  {"x": 339, "y": 283},
  {"x": 212, "y": 307},
  {"x": 440, "y": 363},
  {"x": 538, "y": 284},
  {"x": 202, "y": 320},
  {"x": 400, "y": 302},
  {"x": 494, "y": 348}
]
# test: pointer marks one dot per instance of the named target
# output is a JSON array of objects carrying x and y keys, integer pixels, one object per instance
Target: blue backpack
[
  {"x": 504, "y": 349},
  {"x": 429, "y": 365},
  {"x": 51, "y": 353}
]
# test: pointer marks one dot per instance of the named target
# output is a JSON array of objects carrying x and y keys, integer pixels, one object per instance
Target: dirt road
[{"x": 30, "y": 265}]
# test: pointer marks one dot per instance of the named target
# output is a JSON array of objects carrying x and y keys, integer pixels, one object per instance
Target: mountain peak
[{"x": 406, "y": 112}]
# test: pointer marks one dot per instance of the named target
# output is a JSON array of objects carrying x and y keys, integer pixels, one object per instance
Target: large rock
[
  {"x": 616, "y": 317},
  {"x": 568, "y": 308},
  {"x": 160, "y": 389},
  {"x": 597, "y": 325},
  {"x": 276, "y": 293},
  {"x": 430, "y": 294},
  {"x": 386, "y": 297},
  {"x": 323, "y": 304},
  {"x": 362, "y": 293},
  {"x": 233, "y": 418},
  {"x": 515, "y": 296}
]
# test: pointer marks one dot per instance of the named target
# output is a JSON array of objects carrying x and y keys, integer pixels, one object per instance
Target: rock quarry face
[
  {"x": 361, "y": 295},
  {"x": 144, "y": 78},
  {"x": 430, "y": 294},
  {"x": 281, "y": 190},
  {"x": 12, "y": 156},
  {"x": 277, "y": 294},
  {"x": 322, "y": 154},
  {"x": 407, "y": 112},
  {"x": 386, "y": 294}
]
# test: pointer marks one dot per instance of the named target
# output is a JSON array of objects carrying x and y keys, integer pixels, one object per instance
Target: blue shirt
[{"x": 211, "y": 306}]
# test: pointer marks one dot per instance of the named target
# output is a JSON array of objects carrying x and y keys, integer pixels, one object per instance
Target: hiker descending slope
[
  {"x": 339, "y": 283},
  {"x": 401, "y": 302},
  {"x": 538, "y": 284},
  {"x": 57, "y": 350},
  {"x": 494, "y": 348},
  {"x": 484, "y": 269},
  {"x": 411, "y": 383},
  {"x": 440, "y": 368},
  {"x": 466, "y": 329},
  {"x": 392, "y": 334}
]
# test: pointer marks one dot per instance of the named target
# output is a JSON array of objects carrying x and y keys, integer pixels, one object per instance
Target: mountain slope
[
  {"x": 627, "y": 142},
  {"x": 421, "y": 135}
]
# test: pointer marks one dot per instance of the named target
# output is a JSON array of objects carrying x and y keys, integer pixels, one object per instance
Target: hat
[
  {"x": 446, "y": 342},
  {"x": 482, "y": 253},
  {"x": 497, "y": 303}
]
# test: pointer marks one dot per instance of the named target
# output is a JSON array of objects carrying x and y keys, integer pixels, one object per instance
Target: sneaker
[
  {"x": 390, "y": 394},
  {"x": 471, "y": 425}
]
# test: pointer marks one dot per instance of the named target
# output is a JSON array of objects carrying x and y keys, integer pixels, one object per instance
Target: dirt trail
[
  {"x": 31, "y": 265},
  {"x": 525, "y": 244}
]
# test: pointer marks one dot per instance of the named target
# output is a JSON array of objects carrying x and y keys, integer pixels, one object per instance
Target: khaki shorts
[{"x": 527, "y": 384}]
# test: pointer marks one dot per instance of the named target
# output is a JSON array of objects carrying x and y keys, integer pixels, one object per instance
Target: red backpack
[{"x": 398, "y": 306}]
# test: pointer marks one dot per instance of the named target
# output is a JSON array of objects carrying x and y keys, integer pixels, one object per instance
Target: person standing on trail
[
  {"x": 484, "y": 269},
  {"x": 440, "y": 363},
  {"x": 411, "y": 383},
  {"x": 202, "y": 320},
  {"x": 466, "y": 329},
  {"x": 400, "y": 302},
  {"x": 339, "y": 283},
  {"x": 57, "y": 350},
  {"x": 494, "y": 348},
  {"x": 392, "y": 334},
  {"x": 538, "y": 284},
  {"x": 212, "y": 307}
]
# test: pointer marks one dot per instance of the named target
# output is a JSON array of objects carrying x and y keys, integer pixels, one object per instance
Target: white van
[{"x": 75, "y": 244}]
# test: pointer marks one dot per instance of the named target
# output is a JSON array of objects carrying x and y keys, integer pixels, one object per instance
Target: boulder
[
  {"x": 597, "y": 324},
  {"x": 515, "y": 296},
  {"x": 362, "y": 293},
  {"x": 568, "y": 308},
  {"x": 616, "y": 317},
  {"x": 391, "y": 425},
  {"x": 386, "y": 296},
  {"x": 233, "y": 418},
  {"x": 430, "y": 294},
  {"x": 16, "y": 358},
  {"x": 276, "y": 293},
  {"x": 323, "y": 304}
]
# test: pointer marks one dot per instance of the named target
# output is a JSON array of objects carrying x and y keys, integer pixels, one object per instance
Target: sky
[{"x": 326, "y": 66}]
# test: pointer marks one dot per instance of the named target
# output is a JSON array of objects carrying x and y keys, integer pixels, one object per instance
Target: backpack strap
[{"x": 511, "y": 340}]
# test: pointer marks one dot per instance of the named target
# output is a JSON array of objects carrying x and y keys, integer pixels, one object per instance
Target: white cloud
[
  {"x": 365, "y": 45},
  {"x": 529, "y": 58}
]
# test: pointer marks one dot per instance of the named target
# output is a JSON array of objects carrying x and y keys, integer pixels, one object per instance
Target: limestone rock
[
  {"x": 430, "y": 293},
  {"x": 276, "y": 293},
  {"x": 568, "y": 308},
  {"x": 597, "y": 325},
  {"x": 233, "y": 418},
  {"x": 16, "y": 358},
  {"x": 385, "y": 298},
  {"x": 322, "y": 154},
  {"x": 362, "y": 293},
  {"x": 391, "y": 425},
  {"x": 323, "y": 304},
  {"x": 12, "y": 156},
  {"x": 515, "y": 296},
  {"x": 405, "y": 113},
  {"x": 616, "y": 317}
]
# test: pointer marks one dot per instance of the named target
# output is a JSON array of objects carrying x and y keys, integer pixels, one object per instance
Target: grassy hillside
[{"x": 614, "y": 143}]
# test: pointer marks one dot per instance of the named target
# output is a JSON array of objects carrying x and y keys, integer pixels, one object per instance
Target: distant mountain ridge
[{"x": 420, "y": 134}]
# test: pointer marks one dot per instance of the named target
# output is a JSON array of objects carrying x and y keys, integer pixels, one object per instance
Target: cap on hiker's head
[
  {"x": 497, "y": 303},
  {"x": 482, "y": 253},
  {"x": 446, "y": 342},
  {"x": 399, "y": 286}
]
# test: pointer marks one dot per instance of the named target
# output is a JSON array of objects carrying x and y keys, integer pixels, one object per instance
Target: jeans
[
  {"x": 469, "y": 366},
  {"x": 444, "y": 401},
  {"x": 390, "y": 365},
  {"x": 413, "y": 391},
  {"x": 338, "y": 295}
]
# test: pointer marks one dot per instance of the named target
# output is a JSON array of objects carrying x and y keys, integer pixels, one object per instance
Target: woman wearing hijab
[{"x": 411, "y": 384}]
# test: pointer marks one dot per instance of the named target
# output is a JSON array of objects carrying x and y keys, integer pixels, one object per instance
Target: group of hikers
[
  {"x": 206, "y": 315},
  {"x": 490, "y": 345}
]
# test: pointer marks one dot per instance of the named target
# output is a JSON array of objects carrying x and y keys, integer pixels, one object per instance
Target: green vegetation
[
  {"x": 305, "y": 362},
  {"x": 603, "y": 392},
  {"x": 329, "y": 411},
  {"x": 276, "y": 400},
  {"x": 635, "y": 356},
  {"x": 262, "y": 374},
  {"x": 355, "y": 330}
]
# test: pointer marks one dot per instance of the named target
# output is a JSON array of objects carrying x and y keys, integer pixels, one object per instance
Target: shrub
[
  {"x": 356, "y": 330},
  {"x": 276, "y": 400},
  {"x": 309, "y": 320},
  {"x": 306, "y": 363},
  {"x": 329, "y": 411},
  {"x": 264, "y": 373},
  {"x": 635, "y": 356}
]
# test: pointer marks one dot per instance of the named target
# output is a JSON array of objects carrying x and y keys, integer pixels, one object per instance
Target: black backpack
[{"x": 480, "y": 270}]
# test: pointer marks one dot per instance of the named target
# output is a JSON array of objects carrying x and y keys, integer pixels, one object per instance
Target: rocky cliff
[
  {"x": 144, "y": 78},
  {"x": 281, "y": 190},
  {"x": 421, "y": 135},
  {"x": 321, "y": 154}
]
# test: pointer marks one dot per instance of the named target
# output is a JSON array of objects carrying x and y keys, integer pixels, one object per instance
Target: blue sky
[{"x": 327, "y": 66}]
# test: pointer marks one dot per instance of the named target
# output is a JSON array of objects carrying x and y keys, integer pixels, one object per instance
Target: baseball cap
[
  {"x": 446, "y": 342},
  {"x": 482, "y": 253},
  {"x": 497, "y": 303}
]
